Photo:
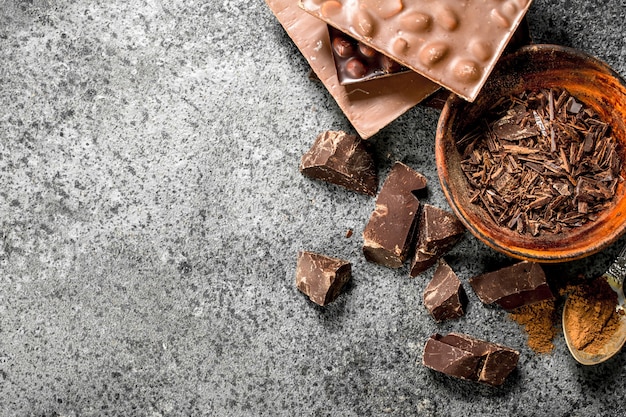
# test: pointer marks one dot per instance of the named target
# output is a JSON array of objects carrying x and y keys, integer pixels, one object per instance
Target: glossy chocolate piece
[
  {"x": 439, "y": 230},
  {"x": 321, "y": 277},
  {"x": 391, "y": 228},
  {"x": 514, "y": 286},
  {"x": 455, "y": 44},
  {"x": 341, "y": 159},
  {"x": 466, "y": 357},
  {"x": 368, "y": 106},
  {"x": 356, "y": 62},
  {"x": 444, "y": 296}
]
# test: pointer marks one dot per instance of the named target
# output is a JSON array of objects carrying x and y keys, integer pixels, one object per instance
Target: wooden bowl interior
[{"x": 535, "y": 67}]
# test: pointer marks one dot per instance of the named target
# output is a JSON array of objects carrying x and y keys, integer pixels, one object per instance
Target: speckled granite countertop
[{"x": 151, "y": 210}]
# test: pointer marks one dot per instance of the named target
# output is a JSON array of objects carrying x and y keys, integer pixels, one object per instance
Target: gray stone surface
[{"x": 151, "y": 210}]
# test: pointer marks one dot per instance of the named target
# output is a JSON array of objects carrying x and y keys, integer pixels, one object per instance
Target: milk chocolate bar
[
  {"x": 356, "y": 62},
  {"x": 514, "y": 286},
  {"x": 444, "y": 296},
  {"x": 453, "y": 43},
  {"x": 369, "y": 106},
  {"x": 391, "y": 228},
  {"x": 341, "y": 159},
  {"x": 438, "y": 232},
  {"x": 321, "y": 277},
  {"x": 466, "y": 357}
]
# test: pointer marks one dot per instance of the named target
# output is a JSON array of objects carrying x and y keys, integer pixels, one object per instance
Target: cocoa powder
[
  {"x": 539, "y": 321},
  {"x": 591, "y": 317}
]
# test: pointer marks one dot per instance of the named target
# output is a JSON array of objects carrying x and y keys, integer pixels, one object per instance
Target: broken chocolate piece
[
  {"x": 466, "y": 357},
  {"x": 321, "y": 277},
  {"x": 341, "y": 159},
  {"x": 357, "y": 62},
  {"x": 444, "y": 296},
  {"x": 391, "y": 228},
  {"x": 438, "y": 232},
  {"x": 521, "y": 284},
  {"x": 368, "y": 106}
]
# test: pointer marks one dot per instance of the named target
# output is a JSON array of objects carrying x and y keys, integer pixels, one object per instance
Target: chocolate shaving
[{"x": 541, "y": 162}]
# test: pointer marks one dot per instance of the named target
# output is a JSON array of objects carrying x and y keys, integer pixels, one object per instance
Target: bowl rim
[{"x": 552, "y": 255}]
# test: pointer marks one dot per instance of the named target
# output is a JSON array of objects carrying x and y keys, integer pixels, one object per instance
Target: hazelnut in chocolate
[
  {"x": 444, "y": 296},
  {"x": 321, "y": 277},
  {"x": 390, "y": 231},
  {"x": 521, "y": 284},
  {"x": 467, "y": 357},
  {"x": 357, "y": 62},
  {"x": 439, "y": 230},
  {"x": 341, "y": 159}
]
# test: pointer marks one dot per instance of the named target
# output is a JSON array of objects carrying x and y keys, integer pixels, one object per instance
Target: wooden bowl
[{"x": 534, "y": 67}]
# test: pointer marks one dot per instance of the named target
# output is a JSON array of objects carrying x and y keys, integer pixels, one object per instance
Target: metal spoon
[{"x": 615, "y": 277}]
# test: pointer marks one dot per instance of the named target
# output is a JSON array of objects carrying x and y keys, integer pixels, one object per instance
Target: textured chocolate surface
[
  {"x": 321, "y": 277},
  {"x": 356, "y": 62},
  {"x": 342, "y": 159},
  {"x": 514, "y": 286},
  {"x": 391, "y": 228},
  {"x": 368, "y": 106},
  {"x": 444, "y": 296},
  {"x": 455, "y": 44},
  {"x": 467, "y": 357},
  {"x": 438, "y": 231}
]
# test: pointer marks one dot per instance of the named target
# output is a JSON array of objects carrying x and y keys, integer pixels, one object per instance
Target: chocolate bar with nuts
[{"x": 369, "y": 106}]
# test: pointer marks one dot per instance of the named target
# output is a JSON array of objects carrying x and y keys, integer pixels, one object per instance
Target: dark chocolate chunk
[
  {"x": 438, "y": 232},
  {"x": 341, "y": 159},
  {"x": 444, "y": 296},
  {"x": 466, "y": 357},
  {"x": 514, "y": 286},
  {"x": 321, "y": 277},
  {"x": 390, "y": 231},
  {"x": 357, "y": 62}
]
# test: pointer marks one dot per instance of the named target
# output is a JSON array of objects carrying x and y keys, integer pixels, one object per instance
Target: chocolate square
[
  {"x": 390, "y": 232},
  {"x": 444, "y": 296},
  {"x": 341, "y": 159},
  {"x": 321, "y": 277},
  {"x": 514, "y": 286},
  {"x": 438, "y": 232}
]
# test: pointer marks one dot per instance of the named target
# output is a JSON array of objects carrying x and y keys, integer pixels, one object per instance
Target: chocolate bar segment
[
  {"x": 341, "y": 159},
  {"x": 321, "y": 277},
  {"x": 390, "y": 230},
  {"x": 356, "y": 62},
  {"x": 368, "y": 106},
  {"x": 444, "y": 296},
  {"x": 439, "y": 230},
  {"x": 521, "y": 284},
  {"x": 453, "y": 43},
  {"x": 463, "y": 356}
]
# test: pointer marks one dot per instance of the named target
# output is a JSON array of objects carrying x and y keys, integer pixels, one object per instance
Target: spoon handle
[{"x": 618, "y": 269}]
